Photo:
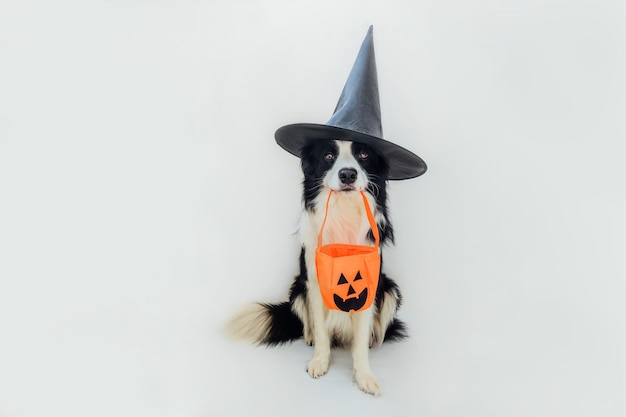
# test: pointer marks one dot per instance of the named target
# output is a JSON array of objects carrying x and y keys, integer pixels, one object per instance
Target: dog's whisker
[
  {"x": 372, "y": 186},
  {"x": 318, "y": 186}
]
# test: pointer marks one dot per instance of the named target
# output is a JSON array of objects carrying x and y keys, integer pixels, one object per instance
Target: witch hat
[{"x": 356, "y": 118}]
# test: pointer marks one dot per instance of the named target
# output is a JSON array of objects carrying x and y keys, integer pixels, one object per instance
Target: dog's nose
[{"x": 347, "y": 175}]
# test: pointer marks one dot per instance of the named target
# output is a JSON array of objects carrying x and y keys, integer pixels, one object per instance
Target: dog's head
[{"x": 342, "y": 166}]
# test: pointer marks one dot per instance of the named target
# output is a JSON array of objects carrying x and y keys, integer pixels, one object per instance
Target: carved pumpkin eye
[
  {"x": 354, "y": 297},
  {"x": 343, "y": 280}
]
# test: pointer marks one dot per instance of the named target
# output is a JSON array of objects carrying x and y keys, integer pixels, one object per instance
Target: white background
[{"x": 143, "y": 200}]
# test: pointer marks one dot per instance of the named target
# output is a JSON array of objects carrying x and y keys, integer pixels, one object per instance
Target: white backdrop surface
[{"x": 143, "y": 200}]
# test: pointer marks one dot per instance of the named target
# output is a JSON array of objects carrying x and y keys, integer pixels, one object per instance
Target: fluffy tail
[
  {"x": 266, "y": 324},
  {"x": 396, "y": 331}
]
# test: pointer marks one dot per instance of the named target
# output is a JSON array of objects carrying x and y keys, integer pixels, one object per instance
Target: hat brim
[{"x": 403, "y": 164}]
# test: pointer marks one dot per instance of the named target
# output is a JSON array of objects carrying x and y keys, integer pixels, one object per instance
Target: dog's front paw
[
  {"x": 367, "y": 383},
  {"x": 317, "y": 366}
]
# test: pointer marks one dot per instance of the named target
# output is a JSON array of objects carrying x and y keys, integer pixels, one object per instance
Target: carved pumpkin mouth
[{"x": 352, "y": 303}]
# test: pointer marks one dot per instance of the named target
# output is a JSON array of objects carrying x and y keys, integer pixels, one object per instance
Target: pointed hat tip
[{"x": 369, "y": 36}]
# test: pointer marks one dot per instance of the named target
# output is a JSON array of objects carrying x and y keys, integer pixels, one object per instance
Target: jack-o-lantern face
[{"x": 351, "y": 301}]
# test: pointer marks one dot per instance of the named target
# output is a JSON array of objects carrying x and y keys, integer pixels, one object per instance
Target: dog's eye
[
  {"x": 329, "y": 156},
  {"x": 363, "y": 155}
]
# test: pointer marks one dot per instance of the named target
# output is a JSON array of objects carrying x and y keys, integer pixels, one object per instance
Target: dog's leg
[
  {"x": 308, "y": 328},
  {"x": 385, "y": 315},
  {"x": 300, "y": 307},
  {"x": 362, "y": 323},
  {"x": 318, "y": 365}
]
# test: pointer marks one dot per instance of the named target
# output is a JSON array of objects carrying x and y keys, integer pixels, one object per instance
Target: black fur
[{"x": 286, "y": 326}]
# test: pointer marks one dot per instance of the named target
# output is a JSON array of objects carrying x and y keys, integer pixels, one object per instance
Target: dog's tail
[{"x": 266, "y": 324}]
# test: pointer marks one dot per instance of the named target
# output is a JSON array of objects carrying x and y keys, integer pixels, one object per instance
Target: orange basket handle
[{"x": 368, "y": 211}]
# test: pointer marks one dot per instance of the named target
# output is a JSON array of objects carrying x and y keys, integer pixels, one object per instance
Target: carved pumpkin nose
[{"x": 351, "y": 290}]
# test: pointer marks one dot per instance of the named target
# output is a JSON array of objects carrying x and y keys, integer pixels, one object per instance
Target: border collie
[{"x": 346, "y": 168}]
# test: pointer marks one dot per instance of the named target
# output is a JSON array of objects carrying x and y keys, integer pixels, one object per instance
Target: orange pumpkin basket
[{"x": 348, "y": 274}]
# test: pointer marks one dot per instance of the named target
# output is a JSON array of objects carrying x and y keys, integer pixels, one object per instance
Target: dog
[{"x": 347, "y": 168}]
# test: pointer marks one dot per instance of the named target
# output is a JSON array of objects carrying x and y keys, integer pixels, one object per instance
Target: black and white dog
[{"x": 345, "y": 167}]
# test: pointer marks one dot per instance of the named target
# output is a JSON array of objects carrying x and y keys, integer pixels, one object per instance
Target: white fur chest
[{"x": 346, "y": 221}]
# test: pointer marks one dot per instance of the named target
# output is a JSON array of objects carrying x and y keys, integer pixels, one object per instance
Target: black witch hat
[{"x": 356, "y": 118}]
